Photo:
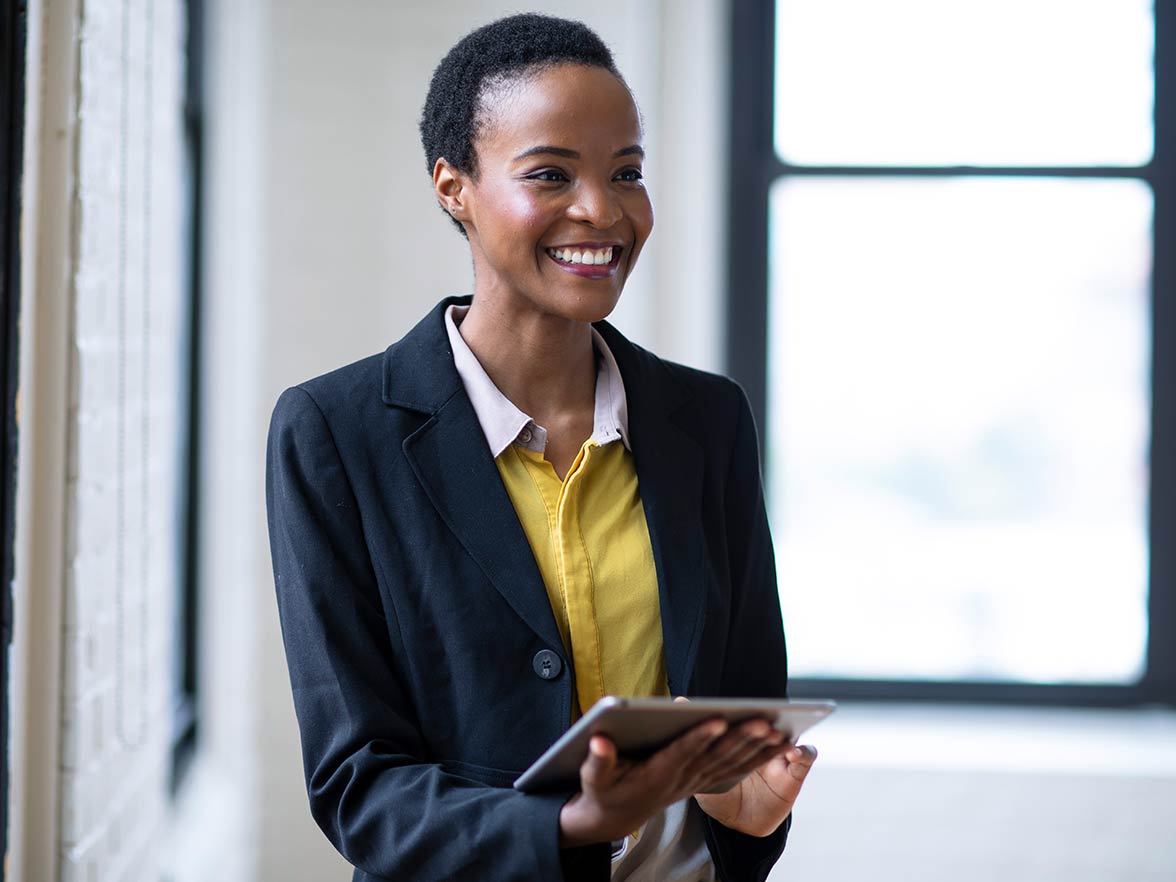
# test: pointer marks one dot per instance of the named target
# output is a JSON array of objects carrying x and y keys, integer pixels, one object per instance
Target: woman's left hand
[{"x": 760, "y": 802}]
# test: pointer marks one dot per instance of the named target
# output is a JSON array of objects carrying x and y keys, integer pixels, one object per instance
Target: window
[{"x": 948, "y": 304}]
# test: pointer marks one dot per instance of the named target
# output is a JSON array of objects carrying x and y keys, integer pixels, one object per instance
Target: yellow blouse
[{"x": 590, "y": 540}]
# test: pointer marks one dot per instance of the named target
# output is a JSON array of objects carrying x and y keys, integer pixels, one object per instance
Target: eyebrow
[{"x": 631, "y": 150}]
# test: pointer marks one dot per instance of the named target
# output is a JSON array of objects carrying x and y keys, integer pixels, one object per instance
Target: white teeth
[{"x": 591, "y": 257}]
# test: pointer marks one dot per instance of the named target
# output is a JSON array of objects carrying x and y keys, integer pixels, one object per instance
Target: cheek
[
  {"x": 521, "y": 212},
  {"x": 641, "y": 213},
  {"x": 648, "y": 216}
]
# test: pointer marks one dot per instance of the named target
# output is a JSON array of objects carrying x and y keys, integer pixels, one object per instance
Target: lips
[{"x": 589, "y": 260}]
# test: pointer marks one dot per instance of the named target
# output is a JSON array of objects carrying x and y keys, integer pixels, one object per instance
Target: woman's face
[{"x": 559, "y": 211}]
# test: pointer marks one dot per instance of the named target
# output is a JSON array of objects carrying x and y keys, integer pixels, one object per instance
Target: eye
[
  {"x": 631, "y": 175},
  {"x": 547, "y": 175}
]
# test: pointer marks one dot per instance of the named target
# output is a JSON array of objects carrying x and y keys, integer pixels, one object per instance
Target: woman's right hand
[{"x": 617, "y": 795}]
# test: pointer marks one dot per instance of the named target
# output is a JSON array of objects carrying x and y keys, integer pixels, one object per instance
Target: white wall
[{"x": 98, "y": 471}]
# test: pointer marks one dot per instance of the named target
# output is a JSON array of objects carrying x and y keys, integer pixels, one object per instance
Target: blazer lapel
[
  {"x": 450, "y": 458},
  {"x": 669, "y": 464}
]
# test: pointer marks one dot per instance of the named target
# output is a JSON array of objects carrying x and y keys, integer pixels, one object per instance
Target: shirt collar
[{"x": 504, "y": 424}]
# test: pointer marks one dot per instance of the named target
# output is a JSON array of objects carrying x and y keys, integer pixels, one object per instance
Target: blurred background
[{"x": 935, "y": 240}]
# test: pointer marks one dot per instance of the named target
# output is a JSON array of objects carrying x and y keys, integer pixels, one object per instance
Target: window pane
[
  {"x": 959, "y": 417},
  {"x": 929, "y": 82}
]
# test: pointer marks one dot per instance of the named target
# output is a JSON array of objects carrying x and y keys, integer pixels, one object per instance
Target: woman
[{"x": 513, "y": 511}]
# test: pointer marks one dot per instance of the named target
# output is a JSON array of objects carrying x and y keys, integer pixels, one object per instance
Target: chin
[{"x": 592, "y": 309}]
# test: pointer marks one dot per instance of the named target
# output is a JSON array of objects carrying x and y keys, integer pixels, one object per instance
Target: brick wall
[{"x": 124, "y": 433}]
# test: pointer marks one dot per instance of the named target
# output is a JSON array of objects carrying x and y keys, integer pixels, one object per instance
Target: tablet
[{"x": 641, "y": 726}]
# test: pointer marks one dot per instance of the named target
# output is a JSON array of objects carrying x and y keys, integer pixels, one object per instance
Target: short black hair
[{"x": 511, "y": 47}]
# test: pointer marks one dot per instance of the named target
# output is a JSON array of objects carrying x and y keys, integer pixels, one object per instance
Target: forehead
[{"x": 574, "y": 106}]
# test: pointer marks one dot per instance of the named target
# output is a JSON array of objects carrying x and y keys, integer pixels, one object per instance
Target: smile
[{"x": 592, "y": 263}]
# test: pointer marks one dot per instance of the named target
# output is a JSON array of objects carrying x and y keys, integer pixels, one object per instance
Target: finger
[
  {"x": 739, "y": 752},
  {"x": 722, "y": 780},
  {"x": 599, "y": 767},
  {"x": 800, "y": 760},
  {"x": 737, "y": 746},
  {"x": 704, "y": 734},
  {"x": 684, "y": 750},
  {"x": 766, "y": 755},
  {"x": 681, "y": 698},
  {"x": 760, "y": 729},
  {"x": 739, "y": 768},
  {"x": 785, "y": 777},
  {"x": 804, "y": 754}
]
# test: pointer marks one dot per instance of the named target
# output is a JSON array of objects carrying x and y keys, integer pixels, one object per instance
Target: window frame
[
  {"x": 754, "y": 166},
  {"x": 13, "y": 47},
  {"x": 185, "y": 671}
]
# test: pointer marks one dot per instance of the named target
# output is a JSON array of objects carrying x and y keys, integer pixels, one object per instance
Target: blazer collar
[
  {"x": 419, "y": 374},
  {"x": 418, "y": 368},
  {"x": 451, "y": 459}
]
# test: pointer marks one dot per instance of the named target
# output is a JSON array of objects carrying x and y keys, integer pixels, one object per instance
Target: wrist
[
  {"x": 574, "y": 828},
  {"x": 720, "y": 807}
]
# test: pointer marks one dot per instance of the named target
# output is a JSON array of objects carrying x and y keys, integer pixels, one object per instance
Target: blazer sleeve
[
  {"x": 756, "y": 662},
  {"x": 388, "y": 812}
]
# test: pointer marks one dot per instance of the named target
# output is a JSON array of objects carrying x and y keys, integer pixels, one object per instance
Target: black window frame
[
  {"x": 754, "y": 166},
  {"x": 13, "y": 46},
  {"x": 186, "y": 683}
]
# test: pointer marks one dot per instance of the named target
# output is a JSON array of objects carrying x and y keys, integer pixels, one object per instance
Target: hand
[
  {"x": 617, "y": 795},
  {"x": 760, "y": 802}
]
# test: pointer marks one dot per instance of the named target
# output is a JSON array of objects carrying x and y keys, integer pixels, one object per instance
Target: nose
[{"x": 596, "y": 205}]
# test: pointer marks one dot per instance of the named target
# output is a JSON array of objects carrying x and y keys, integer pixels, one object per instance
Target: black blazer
[{"x": 412, "y": 608}]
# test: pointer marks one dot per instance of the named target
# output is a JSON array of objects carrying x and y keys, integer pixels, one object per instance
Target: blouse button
[{"x": 546, "y": 664}]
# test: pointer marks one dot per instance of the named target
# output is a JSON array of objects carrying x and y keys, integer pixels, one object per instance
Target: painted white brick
[{"x": 124, "y": 440}]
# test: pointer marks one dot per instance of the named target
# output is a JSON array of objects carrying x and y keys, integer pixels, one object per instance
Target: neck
[{"x": 543, "y": 363}]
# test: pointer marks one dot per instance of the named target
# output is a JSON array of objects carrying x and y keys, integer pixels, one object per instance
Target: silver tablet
[{"x": 641, "y": 726}]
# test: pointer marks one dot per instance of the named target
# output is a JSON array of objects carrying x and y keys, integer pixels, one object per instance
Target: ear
[{"x": 449, "y": 185}]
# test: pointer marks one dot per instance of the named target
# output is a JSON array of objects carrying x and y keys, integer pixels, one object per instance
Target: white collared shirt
[{"x": 504, "y": 424}]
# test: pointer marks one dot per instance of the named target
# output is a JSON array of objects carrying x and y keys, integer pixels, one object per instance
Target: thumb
[
  {"x": 681, "y": 698},
  {"x": 600, "y": 765}
]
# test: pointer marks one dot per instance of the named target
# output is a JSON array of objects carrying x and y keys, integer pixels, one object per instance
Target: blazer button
[{"x": 546, "y": 664}]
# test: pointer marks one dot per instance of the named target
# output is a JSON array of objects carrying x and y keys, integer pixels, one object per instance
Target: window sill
[{"x": 1119, "y": 743}]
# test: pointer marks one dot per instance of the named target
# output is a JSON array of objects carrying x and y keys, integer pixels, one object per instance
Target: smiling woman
[{"x": 514, "y": 511}]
